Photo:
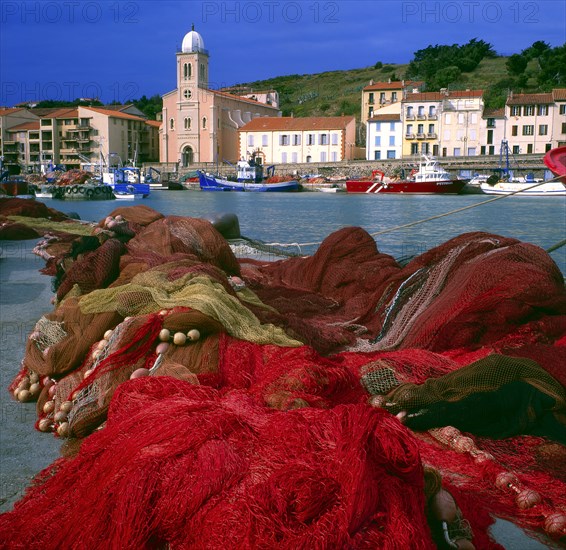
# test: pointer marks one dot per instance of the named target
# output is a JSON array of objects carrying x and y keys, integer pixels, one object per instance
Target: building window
[
  {"x": 172, "y": 124},
  {"x": 424, "y": 149},
  {"x": 432, "y": 111},
  {"x": 294, "y": 157},
  {"x": 187, "y": 123},
  {"x": 250, "y": 140},
  {"x": 471, "y": 151},
  {"x": 187, "y": 94},
  {"x": 323, "y": 139},
  {"x": 378, "y": 141},
  {"x": 370, "y": 100},
  {"x": 323, "y": 156},
  {"x": 187, "y": 71},
  {"x": 204, "y": 123},
  {"x": 516, "y": 110},
  {"x": 310, "y": 139},
  {"x": 516, "y": 149},
  {"x": 202, "y": 72},
  {"x": 461, "y": 118},
  {"x": 382, "y": 98},
  {"x": 529, "y": 148},
  {"x": 562, "y": 109},
  {"x": 393, "y": 97},
  {"x": 284, "y": 158},
  {"x": 283, "y": 139},
  {"x": 543, "y": 130},
  {"x": 390, "y": 154},
  {"x": 491, "y": 123},
  {"x": 334, "y": 139},
  {"x": 431, "y": 128},
  {"x": 309, "y": 158},
  {"x": 264, "y": 140},
  {"x": 296, "y": 139},
  {"x": 391, "y": 143},
  {"x": 377, "y": 155},
  {"x": 528, "y": 130},
  {"x": 514, "y": 130},
  {"x": 529, "y": 110},
  {"x": 542, "y": 110},
  {"x": 334, "y": 156},
  {"x": 414, "y": 148},
  {"x": 564, "y": 127},
  {"x": 391, "y": 126},
  {"x": 457, "y": 152},
  {"x": 187, "y": 156},
  {"x": 409, "y": 129},
  {"x": 410, "y": 112}
]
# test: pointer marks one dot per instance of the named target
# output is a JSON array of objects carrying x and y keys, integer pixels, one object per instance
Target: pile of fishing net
[
  {"x": 22, "y": 219},
  {"x": 207, "y": 401},
  {"x": 73, "y": 177}
]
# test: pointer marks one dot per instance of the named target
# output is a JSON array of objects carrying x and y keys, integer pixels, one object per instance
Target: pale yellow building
[
  {"x": 536, "y": 123},
  {"x": 445, "y": 123},
  {"x": 379, "y": 95},
  {"x": 281, "y": 140},
  {"x": 9, "y": 147},
  {"x": 199, "y": 124}
]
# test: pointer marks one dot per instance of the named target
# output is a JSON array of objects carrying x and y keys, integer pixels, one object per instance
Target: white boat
[
  {"x": 525, "y": 188},
  {"x": 331, "y": 189},
  {"x": 129, "y": 193}
]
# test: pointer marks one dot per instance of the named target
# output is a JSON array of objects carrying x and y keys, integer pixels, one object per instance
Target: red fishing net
[{"x": 216, "y": 412}]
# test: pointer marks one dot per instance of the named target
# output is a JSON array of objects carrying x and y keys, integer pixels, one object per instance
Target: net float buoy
[
  {"x": 63, "y": 429},
  {"x": 527, "y": 499},
  {"x": 66, "y": 406},
  {"x": 179, "y": 338},
  {"x": 162, "y": 348},
  {"x": 44, "y": 425},
  {"x": 60, "y": 417},
  {"x": 193, "y": 335},
  {"x": 33, "y": 378},
  {"x": 24, "y": 384},
  {"x": 139, "y": 373},
  {"x": 16, "y": 393},
  {"x": 35, "y": 388},
  {"x": 119, "y": 218},
  {"x": 108, "y": 219},
  {"x": 164, "y": 335},
  {"x": 506, "y": 480},
  {"x": 102, "y": 344},
  {"x": 52, "y": 390},
  {"x": 96, "y": 353},
  {"x": 48, "y": 407},
  {"x": 555, "y": 524},
  {"x": 24, "y": 396},
  {"x": 108, "y": 334}
]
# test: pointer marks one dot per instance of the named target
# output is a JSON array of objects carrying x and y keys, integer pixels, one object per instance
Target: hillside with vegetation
[{"x": 474, "y": 65}]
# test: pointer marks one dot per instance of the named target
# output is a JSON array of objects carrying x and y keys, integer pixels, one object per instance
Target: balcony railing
[
  {"x": 409, "y": 136},
  {"x": 433, "y": 116},
  {"x": 421, "y": 116},
  {"x": 431, "y": 135},
  {"x": 420, "y": 136},
  {"x": 410, "y": 116}
]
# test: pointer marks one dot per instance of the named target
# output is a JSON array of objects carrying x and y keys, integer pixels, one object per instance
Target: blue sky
[{"x": 121, "y": 50}]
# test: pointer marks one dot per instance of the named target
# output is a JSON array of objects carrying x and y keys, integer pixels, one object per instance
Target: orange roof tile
[
  {"x": 559, "y": 94},
  {"x": 396, "y": 85},
  {"x": 115, "y": 114},
  {"x": 437, "y": 96},
  {"x": 34, "y": 125},
  {"x": 156, "y": 123},
  {"x": 9, "y": 110},
  {"x": 494, "y": 113},
  {"x": 64, "y": 112},
  {"x": 297, "y": 124},
  {"x": 529, "y": 99},
  {"x": 379, "y": 118}
]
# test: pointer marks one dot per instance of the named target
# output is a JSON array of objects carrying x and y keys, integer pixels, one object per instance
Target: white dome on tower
[{"x": 193, "y": 42}]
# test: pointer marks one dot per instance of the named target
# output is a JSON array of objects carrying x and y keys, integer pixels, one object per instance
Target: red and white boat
[{"x": 430, "y": 178}]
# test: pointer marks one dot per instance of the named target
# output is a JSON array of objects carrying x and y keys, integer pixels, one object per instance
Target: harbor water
[{"x": 304, "y": 219}]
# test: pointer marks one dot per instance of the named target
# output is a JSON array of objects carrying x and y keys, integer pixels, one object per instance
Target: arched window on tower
[
  {"x": 204, "y": 123},
  {"x": 187, "y": 123},
  {"x": 202, "y": 72},
  {"x": 172, "y": 123},
  {"x": 187, "y": 70}
]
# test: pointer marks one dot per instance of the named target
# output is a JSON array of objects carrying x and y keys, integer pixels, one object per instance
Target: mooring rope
[{"x": 437, "y": 216}]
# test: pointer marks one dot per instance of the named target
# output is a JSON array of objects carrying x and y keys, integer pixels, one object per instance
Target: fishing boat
[
  {"x": 249, "y": 178},
  {"x": 473, "y": 187},
  {"x": 334, "y": 188},
  {"x": 529, "y": 186},
  {"x": 122, "y": 178},
  {"x": 429, "y": 178},
  {"x": 129, "y": 193},
  {"x": 90, "y": 190}
]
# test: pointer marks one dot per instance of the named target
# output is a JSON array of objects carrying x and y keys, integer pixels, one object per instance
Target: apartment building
[
  {"x": 536, "y": 123},
  {"x": 445, "y": 123},
  {"x": 492, "y": 131},
  {"x": 10, "y": 149},
  {"x": 384, "y": 137},
  {"x": 77, "y": 136},
  {"x": 379, "y": 95},
  {"x": 297, "y": 140}
]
